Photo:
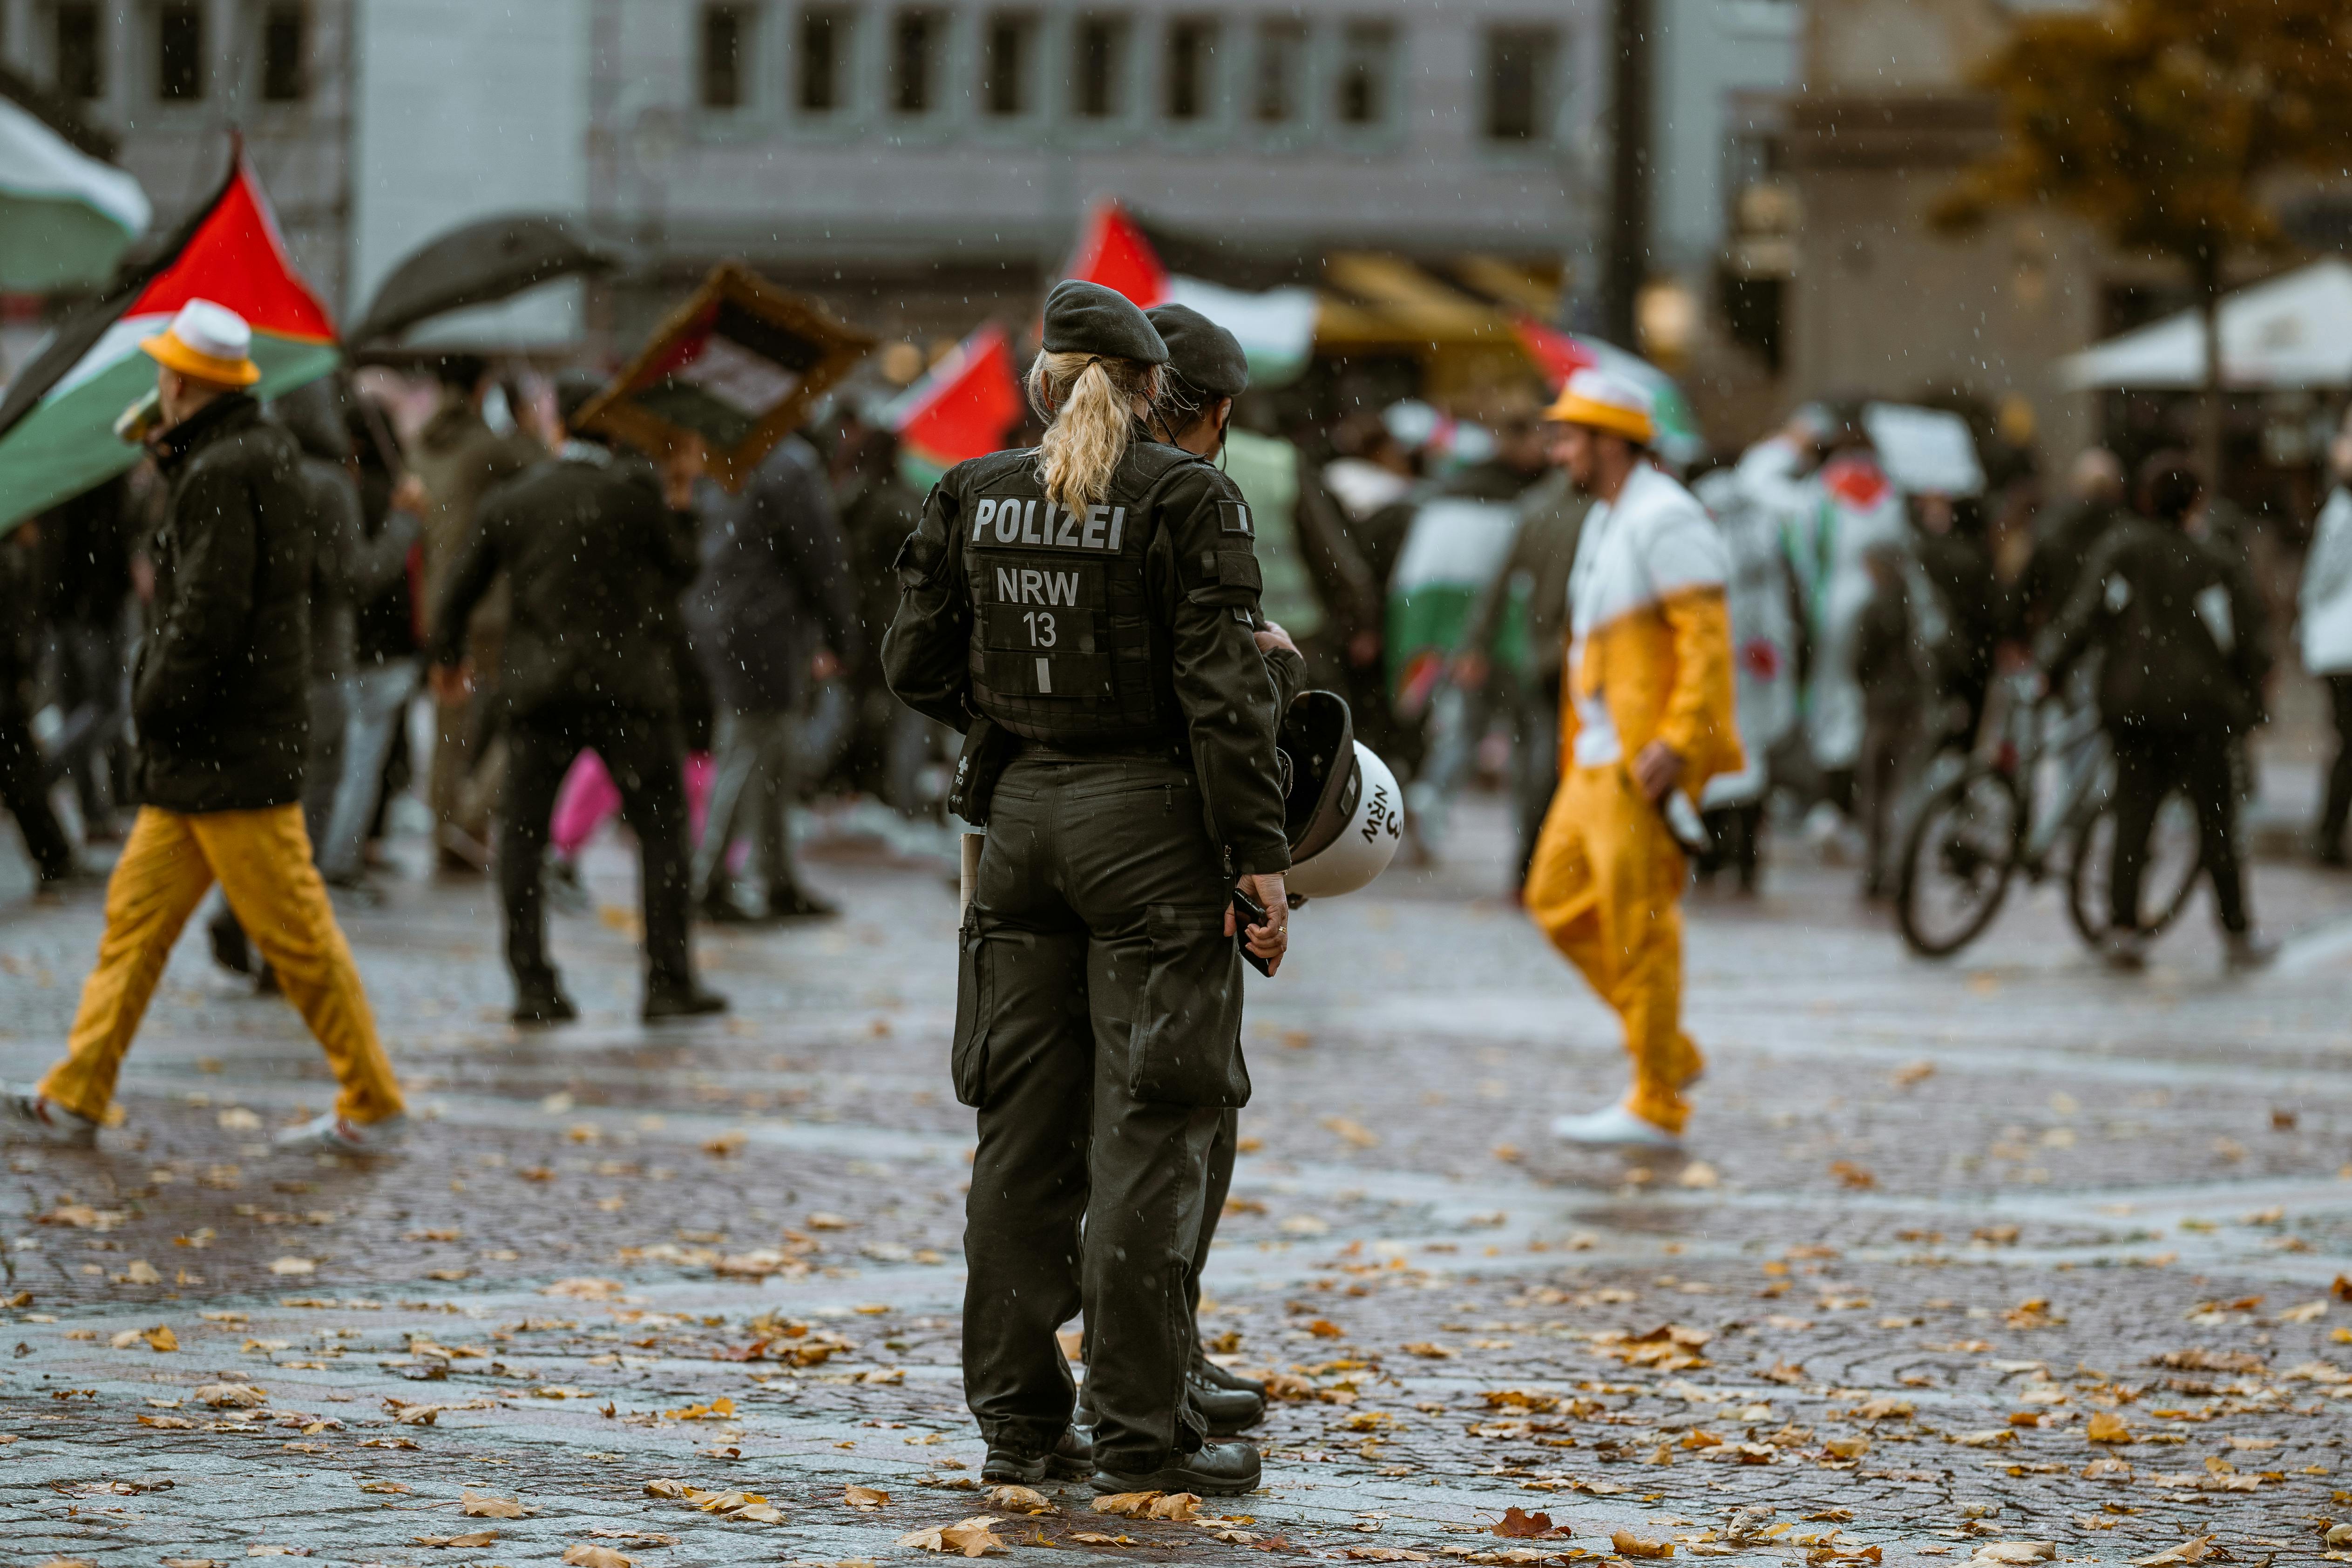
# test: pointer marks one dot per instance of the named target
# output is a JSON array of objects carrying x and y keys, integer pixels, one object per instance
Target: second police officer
[{"x": 1086, "y": 611}]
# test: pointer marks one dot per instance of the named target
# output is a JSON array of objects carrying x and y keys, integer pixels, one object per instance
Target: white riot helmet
[{"x": 1343, "y": 811}]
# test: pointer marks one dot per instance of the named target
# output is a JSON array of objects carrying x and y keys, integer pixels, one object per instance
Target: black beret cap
[
  {"x": 1084, "y": 318},
  {"x": 1202, "y": 351}
]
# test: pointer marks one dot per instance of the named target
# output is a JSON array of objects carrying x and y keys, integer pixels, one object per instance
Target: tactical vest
[{"x": 1065, "y": 649}]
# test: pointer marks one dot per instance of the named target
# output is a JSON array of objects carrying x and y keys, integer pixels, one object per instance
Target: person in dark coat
[
  {"x": 384, "y": 645},
  {"x": 88, "y": 544},
  {"x": 2180, "y": 685},
  {"x": 221, "y": 698},
  {"x": 597, "y": 549},
  {"x": 893, "y": 744},
  {"x": 346, "y": 565},
  {"x": 24, "y": 791},
  {"x": 773, "y": 605},
  {"x": 2064, "y": 543}
]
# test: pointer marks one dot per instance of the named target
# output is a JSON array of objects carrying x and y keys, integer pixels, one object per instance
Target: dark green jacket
[
  {"x": 221, "y": 695},
  {"x": 1226, "y": 693}
]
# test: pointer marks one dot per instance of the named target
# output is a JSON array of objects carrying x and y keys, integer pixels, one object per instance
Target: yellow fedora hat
[
  {"x": 208, "y": 342},
  {"x": 1604, "y": 402}
]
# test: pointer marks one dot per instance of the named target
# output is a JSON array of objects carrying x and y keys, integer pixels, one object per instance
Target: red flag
[
  {"x": 1112, "y": 251},
  {"x": 965, "y": 405},
  {"x": 236, "y": 258},
  {"x": 1556, "y": 354}
]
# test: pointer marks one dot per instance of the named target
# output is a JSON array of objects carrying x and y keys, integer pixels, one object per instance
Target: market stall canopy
[
  {"x": 2294, "y": 331},
  {"x": 478, "y": 263},
  {"x": 67, "y": 215}
]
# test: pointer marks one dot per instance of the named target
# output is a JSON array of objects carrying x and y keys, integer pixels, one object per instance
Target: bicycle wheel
[
  {"x": 1957, "y": 862},
  {"x": 2175, "y": 856}
]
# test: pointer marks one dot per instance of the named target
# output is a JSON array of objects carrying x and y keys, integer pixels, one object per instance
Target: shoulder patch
[{"x": 1234, "y": 517}]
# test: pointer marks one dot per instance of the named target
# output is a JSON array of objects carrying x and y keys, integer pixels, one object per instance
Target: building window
[
  {"x": 179, "y": 54},
  {"x": 915, "y": 40},
  {"x": 1099, "y": 63},
  {"x": 1192, "y": 69},
  {"x": 1005, "y": 56},
  {"x": 80, "y": 50},
  {"x": 725, "y": 38},
  {"x": 824, "y": 86},
  {"x": 1519, "y": 92},
  {"x": 1367, "y": 68},
  {"x": 1280, "y": 89},
  {"x": 285, "y": 54}
]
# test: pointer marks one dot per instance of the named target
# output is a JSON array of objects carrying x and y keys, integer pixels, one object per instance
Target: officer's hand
[
  {"x": 825, "y": 664},
  {"x": 452, "y": 683},
  {"x": 1272, "y": 637},
  {"x": 1272, "y": 940},
  {"x": 1657, "y": 769},
  {"x": 411, "y": 496}
]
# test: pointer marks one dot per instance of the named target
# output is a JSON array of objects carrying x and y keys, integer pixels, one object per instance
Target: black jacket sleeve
[
  {"x": 925, "y": 652},
  {"x": 212, "y": 603},
  {"x": 1203, "y": 576},
  {"x": 477, "y": 567}
]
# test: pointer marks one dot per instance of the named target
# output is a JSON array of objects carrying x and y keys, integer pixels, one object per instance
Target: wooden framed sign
[{"x": 738, "y": 365}]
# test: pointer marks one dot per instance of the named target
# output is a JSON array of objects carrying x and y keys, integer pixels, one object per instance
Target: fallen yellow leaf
[
  {"x": 482, "y": 1505},
  {"x": 162, "y": 1337},
  {"x": 585, "y": 1555}
]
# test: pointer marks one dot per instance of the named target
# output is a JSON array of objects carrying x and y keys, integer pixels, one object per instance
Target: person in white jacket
[{"x": 2325, "y": 602}]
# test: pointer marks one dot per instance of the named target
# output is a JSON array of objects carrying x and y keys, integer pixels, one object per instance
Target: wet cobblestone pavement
[{"x": 1991, "y": 1261}]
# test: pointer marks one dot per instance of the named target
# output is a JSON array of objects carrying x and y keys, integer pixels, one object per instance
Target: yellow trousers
[
  {"x": 1606, "y": 888},
  {"x": 262, "y": 859}
]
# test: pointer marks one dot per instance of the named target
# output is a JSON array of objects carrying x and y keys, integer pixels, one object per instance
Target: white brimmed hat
[{"x": 208, "y": 343}]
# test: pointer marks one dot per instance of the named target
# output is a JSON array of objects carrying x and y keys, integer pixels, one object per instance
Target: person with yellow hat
[
  {"x": 1645, "y": 716},
  {"x": 221, "y": 698}
]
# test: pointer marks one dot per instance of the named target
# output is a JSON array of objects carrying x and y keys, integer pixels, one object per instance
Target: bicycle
[{"x": 1976, "y": 830}]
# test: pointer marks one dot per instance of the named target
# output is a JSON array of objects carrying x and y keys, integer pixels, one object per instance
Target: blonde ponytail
[{"x": 1092, "y": 403}]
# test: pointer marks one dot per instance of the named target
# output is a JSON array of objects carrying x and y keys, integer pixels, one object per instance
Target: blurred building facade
[
  {"x": 169, "y": 78},
  {"x": 1880, "y": 303},
  {"x": 923, "y": 163}
]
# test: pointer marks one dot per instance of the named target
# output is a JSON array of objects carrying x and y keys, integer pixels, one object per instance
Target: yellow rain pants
[{"x": 262, "y": 859}]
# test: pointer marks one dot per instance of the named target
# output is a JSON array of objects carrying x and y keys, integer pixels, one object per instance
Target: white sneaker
[
  {"x": 330, "y": 1134},
  {"x": 26, "y": 1115},
  {"x": 1615, "y": 1128}
]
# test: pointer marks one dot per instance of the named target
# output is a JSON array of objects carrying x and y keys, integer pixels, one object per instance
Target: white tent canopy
[{"x": 2293, "y": 331}]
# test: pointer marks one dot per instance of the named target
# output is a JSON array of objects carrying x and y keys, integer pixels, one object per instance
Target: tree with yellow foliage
[{"x": 2166, "y": 125}]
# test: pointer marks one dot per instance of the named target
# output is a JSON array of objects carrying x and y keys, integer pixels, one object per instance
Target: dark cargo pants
[{"x": 1099, "y": 1032}]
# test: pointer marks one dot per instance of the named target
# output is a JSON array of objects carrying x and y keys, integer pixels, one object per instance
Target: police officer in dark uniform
[{"x": 1086, "y": 612}]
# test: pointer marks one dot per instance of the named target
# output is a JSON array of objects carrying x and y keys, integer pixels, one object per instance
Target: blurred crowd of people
[{"x": 1419, "y": 561}]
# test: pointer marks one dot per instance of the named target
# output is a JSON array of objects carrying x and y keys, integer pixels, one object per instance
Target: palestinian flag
[
  {"x": 1116, "y": 253},
  {"x": 964, "y": 407},
  {"x": 1559, "y": 355},
  {"x": 56, "y": 423},
  {"x": 1276, "y": 329},
  {"x": 1452, "y": 553}
]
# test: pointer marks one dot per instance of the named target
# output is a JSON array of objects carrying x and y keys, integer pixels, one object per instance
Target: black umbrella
[{"x": 478, "y": 264}]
